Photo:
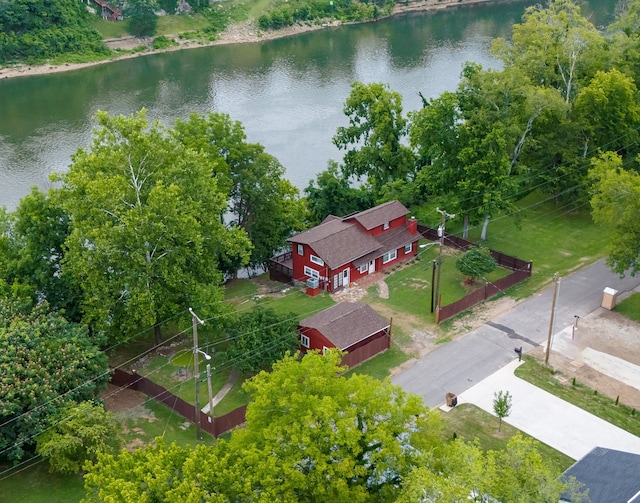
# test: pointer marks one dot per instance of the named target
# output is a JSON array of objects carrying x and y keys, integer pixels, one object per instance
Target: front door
[
  {"x": 345, "y": 277},
  {"x": 372, "y": 266}
]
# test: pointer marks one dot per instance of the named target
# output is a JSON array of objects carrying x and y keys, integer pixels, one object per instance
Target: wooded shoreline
[{"x": 241, "y": 33}]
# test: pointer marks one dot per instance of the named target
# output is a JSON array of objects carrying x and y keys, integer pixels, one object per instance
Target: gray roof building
[{"x": 610, "y": 476}]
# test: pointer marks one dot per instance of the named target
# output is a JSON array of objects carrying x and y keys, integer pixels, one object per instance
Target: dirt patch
[{"x": 607, "y": 332}]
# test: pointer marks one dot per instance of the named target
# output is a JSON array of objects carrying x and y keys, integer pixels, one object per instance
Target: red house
[
  {"x": 351, "y": 327},
  {"x": 342, "y": 250}
]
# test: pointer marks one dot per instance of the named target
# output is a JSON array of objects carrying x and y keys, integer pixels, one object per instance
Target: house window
[
  {"x": 385, "y": 226},
  {"x": 389, "y": 256},
  {"x": 317, "y": 260},
  {"x": 408, "y": 248},
  {"x": 311, "y": 272},
  {"x": 304, "y": 340},
  {"x": 300, "y": 250},
  {"x": 363, "y": 268}
]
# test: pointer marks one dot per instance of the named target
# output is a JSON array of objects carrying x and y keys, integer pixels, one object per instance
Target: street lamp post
[
  {"x": 196, "y": 371},
  {"x": 441, "y": 234}
]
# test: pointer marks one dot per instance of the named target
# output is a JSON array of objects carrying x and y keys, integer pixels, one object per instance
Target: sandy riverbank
[{"x": 241, "y": 33}]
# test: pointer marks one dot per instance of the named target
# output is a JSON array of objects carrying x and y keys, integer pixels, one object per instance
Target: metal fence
[
  {"x": 215, "y": 427},
  {"x": 521, "y": 271}
]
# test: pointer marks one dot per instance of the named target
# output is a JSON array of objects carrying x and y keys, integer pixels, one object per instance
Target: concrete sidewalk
[{"x": 547, "y": 418}]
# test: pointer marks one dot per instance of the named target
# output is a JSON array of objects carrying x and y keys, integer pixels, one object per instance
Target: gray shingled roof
[
  {"x": 337, "y": 242},
  {"x": 380, "y": 214},
  {"x": 610, "y": 476},
  {"x": 346, "y": 323}
]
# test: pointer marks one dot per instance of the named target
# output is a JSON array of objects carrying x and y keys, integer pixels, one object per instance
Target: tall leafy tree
[
  {"x": 332, "y": 194},
  {"x": 37, "y": 230},
  {"x": 615, "y": 203},
  {"x": 46, "y": 363},
  {"x": 260, "y": 200},
  {"x": 312, "y": 435},
  {"x": 609, "y": 108},
  {"x": 554, "y": 46},
  {"x": 141, "y": 17},
  {"x": 261, "y": 337},
  {"x": 146, "y": 239},
  {"x": 373, "y": 140},
  {"x": 81, "y": 432}
]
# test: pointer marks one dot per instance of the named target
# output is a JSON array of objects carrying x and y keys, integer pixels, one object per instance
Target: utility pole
[
  {"x": 556, "y": 278},
  {"x": 196, "y": 371},
  {"x": 441, "y": 233},
  {"x": 210, "y": 392}
]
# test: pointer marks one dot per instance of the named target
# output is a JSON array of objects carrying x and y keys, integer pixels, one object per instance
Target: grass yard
[
  {"x": 630, "y": 307},
  {"x": 581, "y": 396},
  {"x": 556, "y": 237},
  {"x": 469, "y": 422},
  {"x": 34, "y": 483}
]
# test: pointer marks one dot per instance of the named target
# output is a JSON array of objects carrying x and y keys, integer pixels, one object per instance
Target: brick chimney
[{"x": 412, "y": 226}]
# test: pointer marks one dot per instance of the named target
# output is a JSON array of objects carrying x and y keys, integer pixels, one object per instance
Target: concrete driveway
[{"x": 547, "y": 418}]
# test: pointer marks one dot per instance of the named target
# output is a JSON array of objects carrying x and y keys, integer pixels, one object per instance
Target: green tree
[
  {"x": 81, "y": 432},
  {"x": 609, "y": 108},
  {"x": 261, "y": 337},
  {"x": 142, "y": 18},
  {"x": 261, "y": 201},
  {"x": 615, "y": 203},
  {"x": 46, "y": 363},
  {"x": 476, "y": 262},
  {"x": 373, "y": 140},
  {"x": 146, "y": 235},
  {"x": 554, "y": 46},
  {"x": 146, "y": 474},
  {"x": 35, "y": 30},
  {"x": 501, "y": 405},
  {"x": 332, "y": 194},
  {"x": 312, "y": 435},
  {"x": 35, "y": 234}
]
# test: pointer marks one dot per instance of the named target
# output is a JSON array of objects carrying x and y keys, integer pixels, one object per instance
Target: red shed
[{"x": 351, "y": 327}]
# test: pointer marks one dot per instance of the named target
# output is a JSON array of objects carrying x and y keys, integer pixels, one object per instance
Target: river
[{"x": 288, "y": 93}]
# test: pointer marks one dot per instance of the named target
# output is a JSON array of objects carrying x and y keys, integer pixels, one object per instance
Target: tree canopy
[
  {"x": 46, "y": 363},
  {"x": 147, "y": 237},
  {"x": 615, "y": 202}
]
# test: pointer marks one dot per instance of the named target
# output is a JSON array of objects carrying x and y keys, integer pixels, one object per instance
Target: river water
[{"x": 288, "y": 93}]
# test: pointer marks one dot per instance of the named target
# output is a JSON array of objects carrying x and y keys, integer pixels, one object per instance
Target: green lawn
[
  {"x": 579, "y": 395},
  {"x": 469, "y": 422},
  {"x": 34, "y": 484},
  {"x": 630, "y": 307}
]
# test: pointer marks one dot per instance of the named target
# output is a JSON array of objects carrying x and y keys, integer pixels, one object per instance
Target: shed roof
[
  {"x": 609, "y": 475},
  {"x": 346, "y": 323}
]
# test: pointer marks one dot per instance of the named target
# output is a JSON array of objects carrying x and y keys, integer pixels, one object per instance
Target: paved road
[
  {"x": 553, "y": 421},
  {"x": 460, "y": 364}
]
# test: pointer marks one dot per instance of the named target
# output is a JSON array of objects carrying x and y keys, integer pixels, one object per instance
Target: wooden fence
[
  {"x": 363, "y": 353},
  {"x": 215, "y": 427},
  {"x": 521, "y": 271}
]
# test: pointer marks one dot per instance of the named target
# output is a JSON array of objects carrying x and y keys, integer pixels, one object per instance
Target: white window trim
[
  {"x": 311, "y": 272},
  {"x": 300, "y": 249},
  {"x": 408, "y": 248},
  {"x": 364, "y": 268},
  {"x": 389, "y": 256},
  {"x": 316, "y": 260},
  {"x": 304, "y": 341},
  {"x": 325, "y": 349},
  {"x": 386, "y": 225}
]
